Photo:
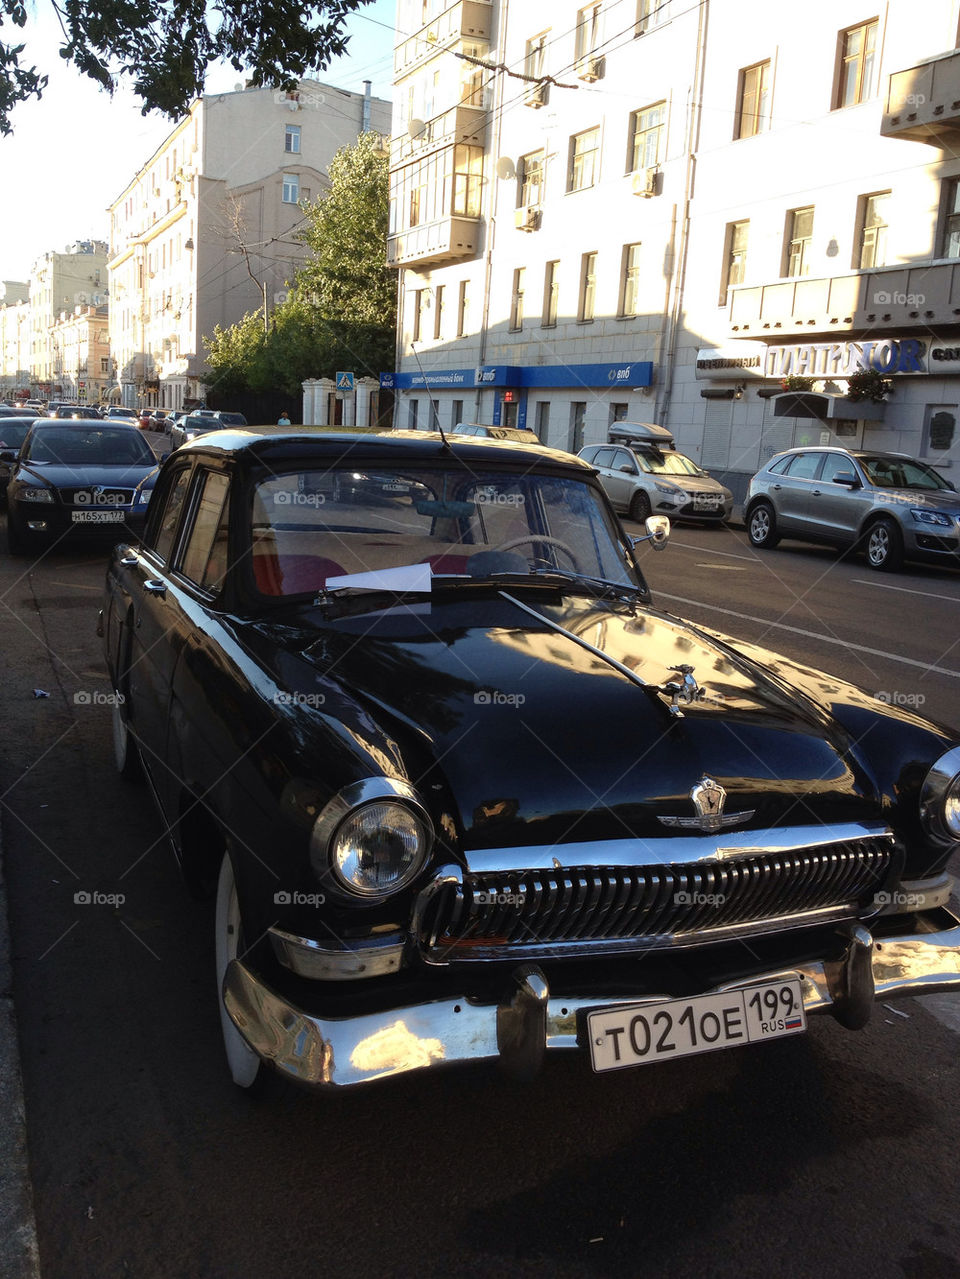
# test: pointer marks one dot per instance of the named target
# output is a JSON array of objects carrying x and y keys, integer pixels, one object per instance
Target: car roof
[{"x": 275, "y": 443}]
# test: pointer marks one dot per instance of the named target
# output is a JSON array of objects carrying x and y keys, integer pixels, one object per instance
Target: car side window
[
  {"x": 160, "y": 536},
  {"x": 204, "y": 558},
  {"x": 835, "y": 464},
  {"x": 623, "y": 458},
  {"x": 780, "y": 467},
  {"x": 805, "y": 466},
  {"x": 603, "y": 457}
]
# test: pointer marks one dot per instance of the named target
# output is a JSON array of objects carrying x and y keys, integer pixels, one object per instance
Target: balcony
[
  {"x": 896, "y": 298},
  {"x": 923, "y": 103},
  {"x": 468, "y": 20},
  {"x": 461, "y": 124},
  {"x": 435, "y": 243}
]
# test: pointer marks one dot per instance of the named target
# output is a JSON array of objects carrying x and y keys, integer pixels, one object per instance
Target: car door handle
[
  {"x": 153, "y": 586},
  {"x": 777, "y": 488},
  {"x": 816, "y": 493}
]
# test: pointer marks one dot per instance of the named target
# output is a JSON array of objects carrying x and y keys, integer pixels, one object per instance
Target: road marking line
[
  {"x": 706, "y": 550},
  {"x": 825, "y": 639},
  {"x": 885, "y": 586}
]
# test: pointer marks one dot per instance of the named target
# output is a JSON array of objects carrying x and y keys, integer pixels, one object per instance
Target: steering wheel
[{"x": 540, "y": 537}]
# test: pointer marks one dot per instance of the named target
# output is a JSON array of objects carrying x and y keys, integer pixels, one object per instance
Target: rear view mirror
[{"x": 847, "y": 478}]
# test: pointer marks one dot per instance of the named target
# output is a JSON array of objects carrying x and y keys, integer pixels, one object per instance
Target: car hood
[
  {"x": 73, "y": 477},
  {"x": 930, "y": 499},
  {"x": 694, "y": 483},
  {"x": 537, "y": 740}
]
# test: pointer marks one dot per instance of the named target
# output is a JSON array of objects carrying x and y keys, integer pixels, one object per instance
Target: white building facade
[
  {"x": 205, "y": 231},
  {"x": 658, "y": 211},
  {"x": 59, "y": 283}
]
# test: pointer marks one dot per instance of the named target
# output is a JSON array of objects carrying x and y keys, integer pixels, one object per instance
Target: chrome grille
[
  {"x": 93, "y": 501},
  {"x": 584, "y": 910}
]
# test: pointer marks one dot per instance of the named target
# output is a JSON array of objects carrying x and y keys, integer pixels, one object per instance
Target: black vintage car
[{"x": 464, "y": 792}]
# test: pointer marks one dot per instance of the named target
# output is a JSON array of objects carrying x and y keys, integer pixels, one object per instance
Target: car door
[
  {"x": 794, "y": 497},
  {"x": 603, "y": 461},
  {"x": 840, "y": 507},
  {"x": 623, "y": 478}
]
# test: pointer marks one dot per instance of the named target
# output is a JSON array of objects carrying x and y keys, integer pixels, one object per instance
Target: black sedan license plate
[
  {"x": 636, "y": 1034},
  {"x": 98, "y": 517}
]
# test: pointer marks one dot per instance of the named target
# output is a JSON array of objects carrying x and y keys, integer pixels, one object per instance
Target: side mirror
[
  {"x": 658, "y": 532},
  {"x": 846, "y": 478},
  {"x": 627, "y": 469}
]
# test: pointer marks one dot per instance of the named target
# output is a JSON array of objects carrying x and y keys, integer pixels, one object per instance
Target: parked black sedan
[
  {"x": 13, "y": 431},
  {"x": 464, "y": 792},
  {"x": 77, "y": 477}
]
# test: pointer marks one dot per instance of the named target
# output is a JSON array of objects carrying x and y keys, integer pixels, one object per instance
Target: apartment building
[
  {"x": 60, "y": 282},
  {"x": 204, "y": 233},
  {"x": 14, "y": 337},
  {"x": 80, "y": 341},
  {"x": 653, "y": 210}
]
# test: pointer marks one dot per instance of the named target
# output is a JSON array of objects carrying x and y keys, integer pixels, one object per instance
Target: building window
[
  {"x": 588, "y": 31},
  {"x": 516, "y": 300},
  {"x": 857, "y": 64},
  {"x": 551, "y": 292},
  {"x": 291, "y": 188},
  {"x": 438, "y": 311},
  {"x": 584, "y": 160},
  {"x": 618, "y": 413},
  {"x": 753, "y": 101},
  {"x": 467, "y": 179},
  {"x": 463, "y": 308},
  {"x": 950, "y": 247},
  {"x": 578, "y": 411},
  {"x": 542, "y": 420},
  {"x": 872, "y": 237},
  {"x": 650, "y": 13},
  {"x": 531, "y": 179},
  {"x": 630, "y": 281},
  {"x": 413, "y": 410},
  {"x": 456, "y": 413},
  {"x": 534, "y": 61},
  {"x": 939, "y": 430},
  {"x": 417, "y": 200},
  {"x": 588, "y": 287},
  {"x": 419, "y": 305},
  {"x": 291, "y": 139},
  {"x": 646, "y": 137},
  {"x": 797, "y": 241},
  {"x": 734, "y": 257}
]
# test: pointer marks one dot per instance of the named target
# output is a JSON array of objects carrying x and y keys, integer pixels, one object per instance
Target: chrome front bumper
[{"x": 339, "y": 1052}]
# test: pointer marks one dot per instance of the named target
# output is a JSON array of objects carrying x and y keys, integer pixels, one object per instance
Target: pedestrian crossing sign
[{"x": 344, "y": 381}]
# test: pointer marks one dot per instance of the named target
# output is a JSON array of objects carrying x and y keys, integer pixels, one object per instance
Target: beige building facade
[
  {"x": 14, "y": 338},
  {"x": 205, "y": 231},
  {"x": 81, "y": 354},
  {"x": 60, "y": 282},
  {"x": 657, "y": 212}
]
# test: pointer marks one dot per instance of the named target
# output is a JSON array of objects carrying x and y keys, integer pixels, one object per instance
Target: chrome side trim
[
  {"x": 373, "y": 957},
  {"x": 341, "y": 1052},
  {"x": 671, "y": 849}
]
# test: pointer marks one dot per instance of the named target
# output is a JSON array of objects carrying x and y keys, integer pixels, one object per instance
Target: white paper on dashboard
[{"x": 408, "y": 577}]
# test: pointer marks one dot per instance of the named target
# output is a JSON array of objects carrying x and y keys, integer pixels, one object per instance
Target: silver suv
[
  {"x": 643, "y": 474},
  {"x": 888, "y": 505}
]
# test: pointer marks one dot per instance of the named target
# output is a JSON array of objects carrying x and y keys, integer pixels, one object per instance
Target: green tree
[
  {"x": 340, "y": 311},
  {"x": 166, "y": 49}
]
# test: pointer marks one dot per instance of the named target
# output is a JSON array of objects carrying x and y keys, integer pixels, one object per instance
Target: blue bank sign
[{"x": 636, "y": 374}]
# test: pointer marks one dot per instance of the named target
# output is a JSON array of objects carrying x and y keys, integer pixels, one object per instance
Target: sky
[{"x": 73, "y": 151}]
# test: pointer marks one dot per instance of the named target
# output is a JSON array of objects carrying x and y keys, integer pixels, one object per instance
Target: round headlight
[
  {"x": 372, "y": 838},
  {"x": 940, "y": 798},
  {"x": 378, "y": 848}
]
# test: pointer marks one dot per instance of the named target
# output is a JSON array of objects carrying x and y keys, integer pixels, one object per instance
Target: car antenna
[{"x": 433, "y": 407}]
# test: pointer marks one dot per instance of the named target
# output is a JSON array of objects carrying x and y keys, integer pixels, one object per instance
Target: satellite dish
[
  {"x": 415, "y": 128},
  {"x": 506, "y": 168},
  {"x": 238, "y": 88}
]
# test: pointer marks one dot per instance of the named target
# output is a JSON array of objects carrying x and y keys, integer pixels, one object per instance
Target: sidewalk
[{"x": 19, "y": 1258}]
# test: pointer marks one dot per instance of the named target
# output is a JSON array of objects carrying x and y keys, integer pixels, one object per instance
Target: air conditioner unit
[
  {"x": 527, "y": 217},
  {"x": 646, "y": 182},
  {"x": 536, "y": 95},
  {"x": 590, "y": 68}
]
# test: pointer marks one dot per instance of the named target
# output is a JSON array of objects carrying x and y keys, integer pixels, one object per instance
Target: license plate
[
  {"x": 98, "y": 517},
  {"x": 640, "y": 1033}
]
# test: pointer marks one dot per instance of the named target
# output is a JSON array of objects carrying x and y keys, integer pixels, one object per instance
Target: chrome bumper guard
[{"x": 339, "y": 1052}]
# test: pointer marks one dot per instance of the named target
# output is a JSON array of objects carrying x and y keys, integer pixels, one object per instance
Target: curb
[{"x": 19, "y": 1256}]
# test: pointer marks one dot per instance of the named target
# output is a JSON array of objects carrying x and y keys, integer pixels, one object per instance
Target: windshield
[
  {"x": 901, "y": 473},
  {"x": 311, "y": 527},
  {"x": 12, "y": 435},
  {"x": 96, "y": 445},
  {"x": 665, "y": 463}
]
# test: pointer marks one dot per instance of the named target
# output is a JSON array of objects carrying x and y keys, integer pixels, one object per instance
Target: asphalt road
[{"x": 828, "y": 1154}]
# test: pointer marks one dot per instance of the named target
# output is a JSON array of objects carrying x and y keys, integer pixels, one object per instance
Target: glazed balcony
[
  {"x": 469, "y": 20},
  {"x": 902, "y": 298},
  {"x": 452, "y": 239},
  {"x": 923, "y": 103},
  {"x": 463, "y": 123}
]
